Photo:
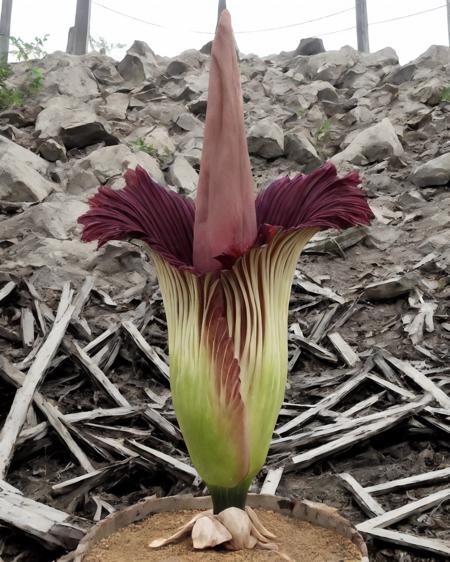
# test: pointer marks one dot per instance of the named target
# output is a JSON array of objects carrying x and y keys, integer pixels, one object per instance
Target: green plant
[
  {"x": 24, "y": 51},
  {"x": 445, "y": 96},
  {"x": 15, "y": 97},
  {"x": 10, "y": 98},
  {"x": 102, "y": 46},
  {"x": 28, "y": 50},
  {"x": 225, "y": 265},
  {"x": 35, "y": 84},
  {"x": 323, "y": 131},
  {"x": 139, "y": 144}
]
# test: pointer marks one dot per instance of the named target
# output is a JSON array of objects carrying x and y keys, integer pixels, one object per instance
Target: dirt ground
[{"x": 402, "y": 452}]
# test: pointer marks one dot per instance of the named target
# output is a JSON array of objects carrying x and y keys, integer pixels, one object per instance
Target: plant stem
[{"x": 224, "y": 498}]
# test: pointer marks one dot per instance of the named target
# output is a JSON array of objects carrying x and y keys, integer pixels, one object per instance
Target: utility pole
[
  {"x": 448, "y": 20},
  {"x": 79, "y": 34},
  {"x": 5, "y": 29},
  {"x": 362, "y": 26},
  {"x": 223, "y": 6}
]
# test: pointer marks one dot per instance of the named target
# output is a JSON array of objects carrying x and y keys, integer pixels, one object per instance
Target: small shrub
[
  {"x": 37, "y": 81},
  {"x": 445, "y": 96},
  {"x": 140, "y": 145},
  {"x": 28, "y": 50},
  {"x": 323, "y": 131},
  {"x": 15, "y": 97},
  {"x": 102, "y": 46}
]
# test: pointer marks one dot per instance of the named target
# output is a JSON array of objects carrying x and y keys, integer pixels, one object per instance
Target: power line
[
  {"x": 379, "y": 22},
  {"x": 352, "y": 9},
  {"x": 146, "y": 22},
  {"x": 268, "y": 29},
  {"x": 409, "y": 15}
]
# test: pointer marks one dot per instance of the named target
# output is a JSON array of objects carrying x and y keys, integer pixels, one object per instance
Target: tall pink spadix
[{"x": 225, "y": 217}]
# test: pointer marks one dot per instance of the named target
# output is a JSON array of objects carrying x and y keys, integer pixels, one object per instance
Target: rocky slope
[{"x": 95, "y": 117}]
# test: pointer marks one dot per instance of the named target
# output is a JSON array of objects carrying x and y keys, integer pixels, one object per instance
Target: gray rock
[
  {"x": 139, "y": 64},
  {"x": 16, "y": 118},
  {"x": 206, "y": 49},
  {"x": 381, "y": 58},
  {"x": 189, "y": 122},
  {"x": 191, "y": 148},
  {"x": 52, "y": 151},
  {"x": 104, "y": 69},
  {"x": 199, "y": 105},
  {"x": 300, "y": 149},
  {"x": 60, "y": 111},
  {"x": 165, "y": 113},
  {"x": 266, "y": 139},
  {"x": 310, "y": 46},
  {"x": 12, "y": 152},
  {"x": 402, "y": 74},
  {"x": 311, "y": 93},
  {"x": 156, "y": 137},
  {"x": 360, "y": 115},
  {"x": 186, "y": 61},
  {"x": 67, "y": 75},
  {"x": 434, "y": 172},
  {"x": 430, "y": 92},
  {"x": 182, "y": 174},
  {"x": 360, "y": 77},
  {"x": 436, "y": 55},
  {"x": 372, "y": 145},
  {"x": 329, "y": 66},
  {"x": 108, "y": 164},
  {"x": 19, "y": 182},
  {"x": 56, "y": 219},
  {"x": 77, "y": 124},
  {"x": 68, "y": 256},
  {"x": 116, "y": 106},
  {"x": 80, "y": 135}
]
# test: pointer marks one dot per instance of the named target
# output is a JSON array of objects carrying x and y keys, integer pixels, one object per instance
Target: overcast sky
[{"x": 181, "y": 19}]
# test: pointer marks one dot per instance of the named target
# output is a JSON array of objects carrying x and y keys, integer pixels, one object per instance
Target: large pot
[{"x": 315, "y": 513}]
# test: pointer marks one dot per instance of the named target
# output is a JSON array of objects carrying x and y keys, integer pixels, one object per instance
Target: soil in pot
[{"x": 300, "y": 540}]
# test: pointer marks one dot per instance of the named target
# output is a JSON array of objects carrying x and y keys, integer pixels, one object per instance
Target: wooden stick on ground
[
  {"x": 369, "y": 505},
  {"x": 421, "y": 380},
  {"x": 356, "y": 436},
  {"x": 27, "y": 325},
  {"x": 39, "y": 430},
  {"x": 410, "y": 482},
  {"x": 51, "y": 412},
  {"x": 272, "y": 481},
  {"x": 52, "y": 527},
  {"x": 99, "y": 376},
  {"x": 435, "y": 546},
  {"x": 24, "y": 395},
  {"x": 344, "y": 350},
  {"x": 180, "y": 468},
  {"x": 7, "y": 289},
  {"x": 324, "y": 404},
  {"x": 411, "y": 508},
  {"x": 146, "y": 348}
]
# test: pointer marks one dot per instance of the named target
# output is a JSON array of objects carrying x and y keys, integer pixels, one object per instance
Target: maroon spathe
[
  {"x": 226, "y": 220},
  {"x": 165, "y": 220}
]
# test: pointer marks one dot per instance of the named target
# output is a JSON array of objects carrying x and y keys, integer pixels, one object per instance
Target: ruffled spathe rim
[{"x": 165, "y": 220}]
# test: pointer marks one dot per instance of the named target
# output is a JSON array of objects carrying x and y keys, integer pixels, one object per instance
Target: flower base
[{"x": 312, "y": 525}]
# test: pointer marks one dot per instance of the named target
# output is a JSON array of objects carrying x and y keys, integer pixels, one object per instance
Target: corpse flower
[{"x": 225, "y": 266}]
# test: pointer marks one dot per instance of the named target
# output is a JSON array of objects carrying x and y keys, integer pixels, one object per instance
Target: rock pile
[{"x": 95, "y": 117}]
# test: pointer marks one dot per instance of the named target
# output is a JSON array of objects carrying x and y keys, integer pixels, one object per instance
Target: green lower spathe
[{"x": 228, "y": 359}]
